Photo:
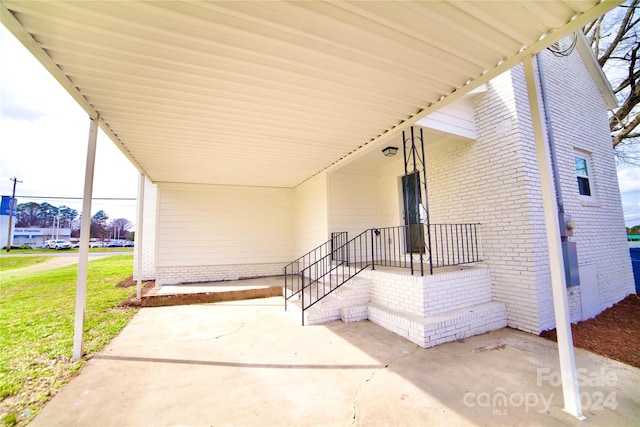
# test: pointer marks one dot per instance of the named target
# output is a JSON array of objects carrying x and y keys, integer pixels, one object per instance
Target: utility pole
[{"x": 11, "y": 205}]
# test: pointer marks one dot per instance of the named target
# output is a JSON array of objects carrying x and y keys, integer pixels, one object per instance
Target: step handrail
[
  {"x": 352, "y": 261},
  {"x": 291, "y": 271},
  {"x": 414, "y": 246}
]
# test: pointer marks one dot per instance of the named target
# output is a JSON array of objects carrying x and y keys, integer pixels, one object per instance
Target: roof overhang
[
  {"x": 591, "y": 62},
  {"x": 271, "y": 93}
]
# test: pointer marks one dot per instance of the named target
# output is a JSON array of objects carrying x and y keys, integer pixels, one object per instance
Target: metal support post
[
  {"x": 570, "y": 389},
  {"x": 138, "y": 239},
  {"x": 85, "y": 231}
]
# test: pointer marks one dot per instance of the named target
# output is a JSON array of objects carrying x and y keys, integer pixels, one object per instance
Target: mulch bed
[
  {"x": 132, "y": 301},
  {"x": 614, "y": 333}
]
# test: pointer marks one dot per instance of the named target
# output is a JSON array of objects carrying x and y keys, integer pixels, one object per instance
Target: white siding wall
[
  {"x": 456, "y": 119},
  {"x": 391, "y": 192},
  {"x": 354, "y": 201},
  {"x": 580, "y": 122},
  {"x": 148, "y": 234},
  {"x": 200, "y": 226},
  {"x": 311, "y": 219}
]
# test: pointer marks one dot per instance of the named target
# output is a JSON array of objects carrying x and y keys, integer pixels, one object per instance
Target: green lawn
[
  {"x": 53, "y": 251},
  {"x": 36, "y": 330}
]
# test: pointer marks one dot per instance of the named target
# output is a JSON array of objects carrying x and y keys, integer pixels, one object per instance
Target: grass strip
[
  {"x": 53, "y": 251},
  {"x": 36, "y": 330}
]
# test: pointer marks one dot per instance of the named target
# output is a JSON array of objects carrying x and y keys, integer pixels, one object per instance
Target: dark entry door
[{"x": 412, "y": 197}]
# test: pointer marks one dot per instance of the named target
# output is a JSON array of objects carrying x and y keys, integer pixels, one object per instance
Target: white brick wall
[
  {"x": 495, "y": 181},
  {"x": 426, "y": 296},
  {"x": 580, "y": 122},
  {"x": 396, "y": 292},
  {"x": 211, "y": 273},
  {"x": 432, "y": 331},
  {"x": 149, "y": 225},
  {"x": 490, "y": 181},
  {"x": 427, "y": 310}
]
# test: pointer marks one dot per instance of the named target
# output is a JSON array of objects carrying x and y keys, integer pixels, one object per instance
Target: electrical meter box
[{"x": 570, "y": 256}]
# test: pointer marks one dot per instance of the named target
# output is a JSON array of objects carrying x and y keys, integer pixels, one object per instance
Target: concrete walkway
[
  {"x": 56, "y": 260},
  {"x": 248, "y": 363}
]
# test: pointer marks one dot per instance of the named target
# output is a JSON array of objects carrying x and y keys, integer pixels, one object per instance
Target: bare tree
[
  {"x": 615, "y": 41},
  {"x": 99, "y": 225},
  {"x": 120, "y": 228}
]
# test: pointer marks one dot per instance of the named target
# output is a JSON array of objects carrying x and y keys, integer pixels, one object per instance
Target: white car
[
  {"x": 59, "y": 244},
  {"x": 96, "y": 245}
]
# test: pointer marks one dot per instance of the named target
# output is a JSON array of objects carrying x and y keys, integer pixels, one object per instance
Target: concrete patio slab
[
  {"x": 249, "y": 363},
  {"x": 209, "y": 292},
  {"x": 221, "y": 286}
]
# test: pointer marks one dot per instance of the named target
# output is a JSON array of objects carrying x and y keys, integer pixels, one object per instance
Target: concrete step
[
  {"x": 324, "y": 311},
  {"x": 354, "y": 313},
  {"x": 347, "y": 303},
  {"x": 451, "y": 326},
  {"x": 154, "y": 299},
  {"x": 356, "y": 289}
]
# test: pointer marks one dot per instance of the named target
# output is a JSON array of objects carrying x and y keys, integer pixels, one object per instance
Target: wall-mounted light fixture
[{"x": 390, "y": 151}]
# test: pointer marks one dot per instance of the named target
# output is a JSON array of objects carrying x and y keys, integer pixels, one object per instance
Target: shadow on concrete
[
  {"x": 232, "y": 364},
  {"x": 250, "y": 363}
]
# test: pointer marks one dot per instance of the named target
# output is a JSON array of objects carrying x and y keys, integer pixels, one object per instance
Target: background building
[{"x": 36, "y": 236}]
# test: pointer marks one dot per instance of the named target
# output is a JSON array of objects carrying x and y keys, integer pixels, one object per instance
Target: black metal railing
[
  {"x": 292, "y": 271},
  {"x": 404, "y": 246},
  {"x": 455, "y": 244},
  {"x": 423, "y": 248},
  {"x": 333, "y": 270},
  {"x": 411, "y": 246}
]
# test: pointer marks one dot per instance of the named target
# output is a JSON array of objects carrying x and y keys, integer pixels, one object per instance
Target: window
[{"x": 584, "y": 175}]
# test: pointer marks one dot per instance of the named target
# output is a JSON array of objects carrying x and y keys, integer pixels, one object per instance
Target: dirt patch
[
  {"x": 614, "y": 333},
  {"x": 133, "y": 301}
]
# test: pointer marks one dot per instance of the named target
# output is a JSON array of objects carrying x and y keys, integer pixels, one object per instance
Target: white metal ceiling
[{"x": 270, "y": 93}]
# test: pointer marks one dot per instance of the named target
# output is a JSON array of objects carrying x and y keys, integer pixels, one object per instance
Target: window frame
[{"x": 586, "y": 156}]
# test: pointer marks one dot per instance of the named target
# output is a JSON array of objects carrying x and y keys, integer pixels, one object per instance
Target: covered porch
[{"x": 261, "y": 98}]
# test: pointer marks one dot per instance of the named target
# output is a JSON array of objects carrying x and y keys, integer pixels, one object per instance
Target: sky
[
  {"x": 43, "y": 141},
  {"x": 44, "y": 134}
]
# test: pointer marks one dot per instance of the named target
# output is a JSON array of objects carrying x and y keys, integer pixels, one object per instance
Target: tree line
[{"x": 45, "y": 215}]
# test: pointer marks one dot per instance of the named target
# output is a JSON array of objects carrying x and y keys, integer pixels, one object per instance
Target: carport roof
[{"x": 271, "y": 93}]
